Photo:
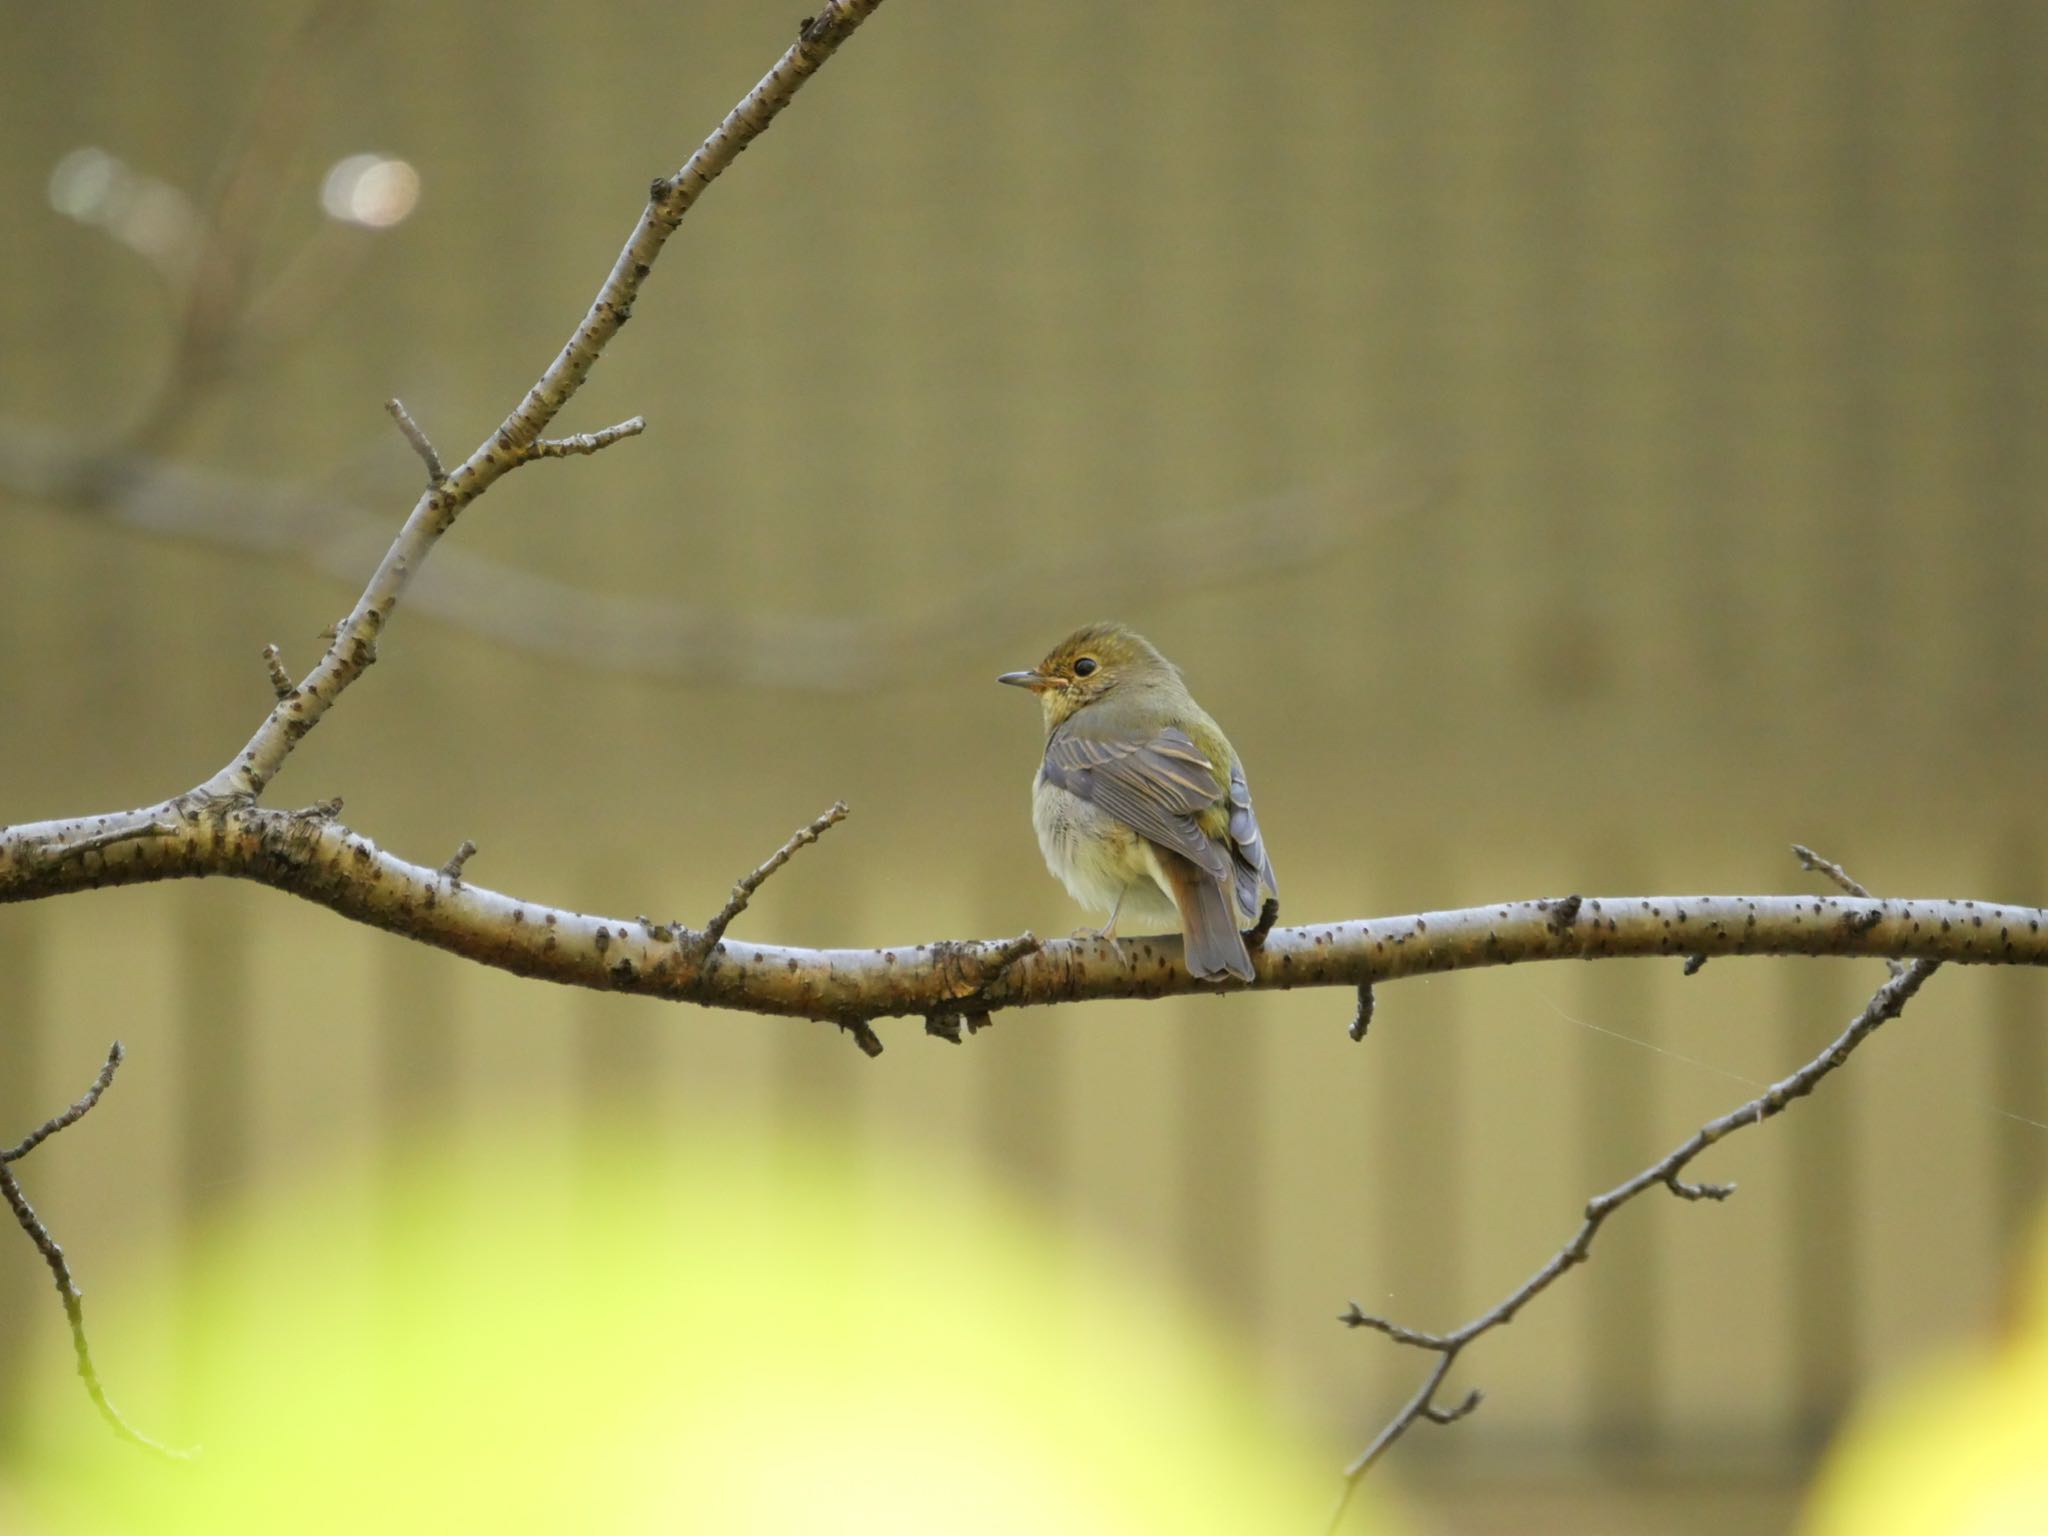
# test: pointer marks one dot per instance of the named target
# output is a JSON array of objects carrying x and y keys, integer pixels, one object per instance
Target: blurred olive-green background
[{"x": 1572, "y": 446}]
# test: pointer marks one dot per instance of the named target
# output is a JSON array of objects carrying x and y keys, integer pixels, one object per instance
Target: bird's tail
[{"x": 1214, "y": 946}]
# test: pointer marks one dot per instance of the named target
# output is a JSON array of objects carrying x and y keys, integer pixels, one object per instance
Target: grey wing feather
[
  {"x": 1154, "y": 787},
  {"x": 1254, "y": 865}
]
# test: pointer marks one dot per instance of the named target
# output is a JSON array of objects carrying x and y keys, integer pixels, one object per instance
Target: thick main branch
[{"x": 320, "y": 859}]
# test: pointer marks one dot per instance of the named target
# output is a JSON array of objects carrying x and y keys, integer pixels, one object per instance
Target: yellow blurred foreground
[
  {"x": 669, "y": 1332},
  {"x": 1959, "y": 1449}
]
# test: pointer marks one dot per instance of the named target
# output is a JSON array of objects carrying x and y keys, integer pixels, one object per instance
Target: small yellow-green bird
[{"x": 1140, "y": 802}]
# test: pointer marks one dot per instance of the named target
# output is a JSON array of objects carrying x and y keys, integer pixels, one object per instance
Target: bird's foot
[
  {"x": 1107, "y": 936},
  {"x": 1269, "y": 914}
]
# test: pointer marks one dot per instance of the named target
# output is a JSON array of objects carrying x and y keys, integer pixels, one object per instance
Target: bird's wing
[
  {"x": 1155, "y": 787},
  {"x": 1254, "y": 864}
]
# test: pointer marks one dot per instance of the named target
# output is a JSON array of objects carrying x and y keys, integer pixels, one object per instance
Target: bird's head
[{"x": 1089, "y": 664}]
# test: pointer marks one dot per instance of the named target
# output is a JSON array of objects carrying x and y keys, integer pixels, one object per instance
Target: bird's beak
[{"x": 1037, "y": 682}]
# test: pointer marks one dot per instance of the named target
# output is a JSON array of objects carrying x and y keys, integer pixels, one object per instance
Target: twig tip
[
  {"x": 280, "y": 680},
  {"x": 864, "y": 1036},
  {"x": 1361, "y": 1020},
  {"x": 416, "y": 435}
]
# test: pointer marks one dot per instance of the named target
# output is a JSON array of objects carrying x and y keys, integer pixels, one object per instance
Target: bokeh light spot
[{"x": 375, "y": 191}]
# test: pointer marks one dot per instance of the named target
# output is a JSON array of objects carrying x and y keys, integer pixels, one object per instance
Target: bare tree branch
[
  {"x": 1886, "y": 1004},
  {"x": 218, "y": 828},
  {"x": 205, "y": 815},
  {"x": 321, "y": 859},
  {"x": 53, "y": 1255},
  {"x": 354, "y": 646}
]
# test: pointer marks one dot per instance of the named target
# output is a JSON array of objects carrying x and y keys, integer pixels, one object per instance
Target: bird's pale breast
[{"x": 1099, "y": 859}]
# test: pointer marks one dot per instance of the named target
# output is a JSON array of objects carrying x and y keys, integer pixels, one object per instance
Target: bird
[{"x": 1140, "y": 803}]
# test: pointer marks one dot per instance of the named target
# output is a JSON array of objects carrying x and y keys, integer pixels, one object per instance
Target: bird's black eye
[{"x": 1084, "y": 666}]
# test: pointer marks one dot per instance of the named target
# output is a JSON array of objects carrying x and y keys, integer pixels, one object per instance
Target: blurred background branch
[
  {"x": 235, "y": 318},
  {"x": 539, "y": 615}
]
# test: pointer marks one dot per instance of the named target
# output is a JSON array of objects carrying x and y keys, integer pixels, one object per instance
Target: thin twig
[
  {"x": 585, "y": 442},
  {"x": 53, "y": 1254},
  {"x": 417, "y": 436},
  {"x": 1885, "y": 1004},
  {"x": 743, "y": 892},
  {"x": 1810, "y": 860},
  {"x": 461, "y": 856},
  {"x": 71, "y": 1116}
]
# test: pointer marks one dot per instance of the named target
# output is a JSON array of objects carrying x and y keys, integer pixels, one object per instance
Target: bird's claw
[{"x": 1106, "y": 936}]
